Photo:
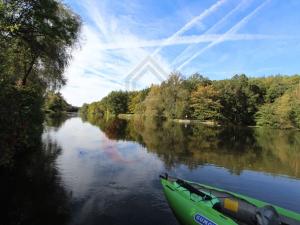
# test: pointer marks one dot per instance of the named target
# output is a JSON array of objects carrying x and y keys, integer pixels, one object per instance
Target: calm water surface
[{"x": 106, "y": 172}]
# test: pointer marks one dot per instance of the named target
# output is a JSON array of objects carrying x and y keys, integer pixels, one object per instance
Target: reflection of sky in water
[
  {"x": 89, "y": 159},
  {"x": 107, "y": 177}
]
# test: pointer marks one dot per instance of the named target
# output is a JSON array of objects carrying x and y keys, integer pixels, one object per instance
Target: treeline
[
  {"x": 36, "y": 38},
  {"x": 55, "y": 103},
  {"x": 269, "y": 101}
]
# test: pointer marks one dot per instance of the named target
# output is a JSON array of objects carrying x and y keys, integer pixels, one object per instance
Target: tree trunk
[{"x": 25, "y": 77}]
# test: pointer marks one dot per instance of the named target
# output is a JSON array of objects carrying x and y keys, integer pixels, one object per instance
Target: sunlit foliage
[{"x": 269, "y": 101}]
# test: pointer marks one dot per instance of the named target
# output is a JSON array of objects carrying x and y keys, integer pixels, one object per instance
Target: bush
[{"x": 21, "y": 120}]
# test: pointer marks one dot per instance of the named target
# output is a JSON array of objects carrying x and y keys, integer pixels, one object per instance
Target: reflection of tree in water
[
  {"x": 113, "y": 128},
  {"x": 234, "y": 148},
  {"x": 167, "y": 140},
  {"x": 199, "y": 145},
  {"x": 55, "y": 120},
  {"x": 281, "y": 149},
  {"x": 31, "y": 191}
]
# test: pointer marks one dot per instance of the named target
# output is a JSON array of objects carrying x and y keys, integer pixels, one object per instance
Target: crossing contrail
[
  {"x": 190, "y": 24},
  {"x": 225, "y": 35},
  {"x": 190, "y": 48}
]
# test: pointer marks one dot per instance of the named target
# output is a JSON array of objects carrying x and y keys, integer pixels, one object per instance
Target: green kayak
[{"x": 195, "y": 204}]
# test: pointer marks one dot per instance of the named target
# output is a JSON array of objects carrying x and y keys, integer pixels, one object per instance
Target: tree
[
  {"x": 295, "y": 114},
  {"x": 266, "y": 116},
  {"x": 84, "y": 109},
  {"x": 117, "y": 102},
  {"x": 206, "y": 104},
  {"x": 153, "y": 103},
  {"x": 192, "y": 82},
  {"x": 239, "y": 99},
  {"x": 36, "y": 38},
  {"x": 55, "y": 103},
  {"x": 174, "y": 96},
  {"x": 284, "y": 112},
  {"x": 136, "y": 99}
]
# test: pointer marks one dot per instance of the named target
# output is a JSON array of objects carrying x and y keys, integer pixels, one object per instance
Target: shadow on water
[
  {"x": 55, "y": 120},
  {"x": 31, "y": 190},
  {"x": 234, "y": 148}
]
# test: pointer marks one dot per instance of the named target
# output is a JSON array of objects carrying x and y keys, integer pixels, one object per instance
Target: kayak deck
[{"x": 195, "y": 203}]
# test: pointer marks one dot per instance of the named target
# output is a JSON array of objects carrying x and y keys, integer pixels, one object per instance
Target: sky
[{"x": 131, "y": 44}]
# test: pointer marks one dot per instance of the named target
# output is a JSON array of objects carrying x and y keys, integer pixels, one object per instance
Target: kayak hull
[
  {"x": 188, "y": 212},
  {"x": 190, "y": 209}
]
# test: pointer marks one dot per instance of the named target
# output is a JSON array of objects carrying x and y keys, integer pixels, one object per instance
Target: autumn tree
[
  {"x": 174, "y": 97},
  {"x": 206, "y": 103},
  {"x": 153, "y": 103}
]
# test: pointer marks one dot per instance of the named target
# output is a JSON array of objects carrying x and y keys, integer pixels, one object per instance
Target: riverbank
[
  {"x": 207, "y": 123},
  {"x": 181, "y": 121},
  {"x": 192, "y": 121}
]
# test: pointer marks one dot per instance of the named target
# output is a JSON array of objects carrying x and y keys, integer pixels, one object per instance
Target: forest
[{"x": 272, "y": 101}]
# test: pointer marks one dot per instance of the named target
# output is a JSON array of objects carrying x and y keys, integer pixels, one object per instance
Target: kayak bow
[{"x": 195, "y": 204}]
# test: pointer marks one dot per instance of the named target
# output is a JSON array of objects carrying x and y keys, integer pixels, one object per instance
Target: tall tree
[
  {"x": 153, "y": 103},
  {"x": 36, "y": 37},
  {"x": 174, "y": 96},
  {"x": 284, "y": 112},
  {"x": 117, "y": 102},
  {"x": 206, "y": 103},
  {"x": 239, "y": 100},
  {"x": 192, "y": 82}
]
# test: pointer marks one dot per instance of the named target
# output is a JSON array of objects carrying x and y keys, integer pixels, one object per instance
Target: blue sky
[{"x": 216, "y": 38}]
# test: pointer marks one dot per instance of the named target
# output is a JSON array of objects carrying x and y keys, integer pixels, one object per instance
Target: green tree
[
  {"x": 206, "y": 104},
  {"x": 136, "y": 99},
  {"x": 84, "y": 109},
  {"x": 55, "y": 103},
  {"x": 239, "y": 100},
  {"x": 284, "y": 112},
  {"x": 192, "y": 82},
  {"x": 117, "y": 102},
  {"x": 36, "y": 37},
  {"x": 153, "y": 103},
  {"x": 174, "y": 96}
]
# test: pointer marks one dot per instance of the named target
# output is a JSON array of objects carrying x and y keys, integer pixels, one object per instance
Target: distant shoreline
[{"x": 207, "y": 123}]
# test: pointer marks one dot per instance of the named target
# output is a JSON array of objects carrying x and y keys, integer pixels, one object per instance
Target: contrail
[
  {"x": 210, "y": 30},
  {"x": 191, "y": 39},
  {"x": 191, "y": 23},
  {"x": 224, "y": 36}
]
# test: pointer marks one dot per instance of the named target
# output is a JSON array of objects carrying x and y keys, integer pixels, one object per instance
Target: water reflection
[
  {"x": 55, "y": 120},
  {"x": 234, "y": 148},
  {"x": 131, "y": 154},
  {"x": 106, "y": 171},
  {"x": 31, "y": 190},
  {"x": 112, "y": 182}
]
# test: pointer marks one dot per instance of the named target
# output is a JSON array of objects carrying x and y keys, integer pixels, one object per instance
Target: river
[{"x": 106, "y": 171}]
